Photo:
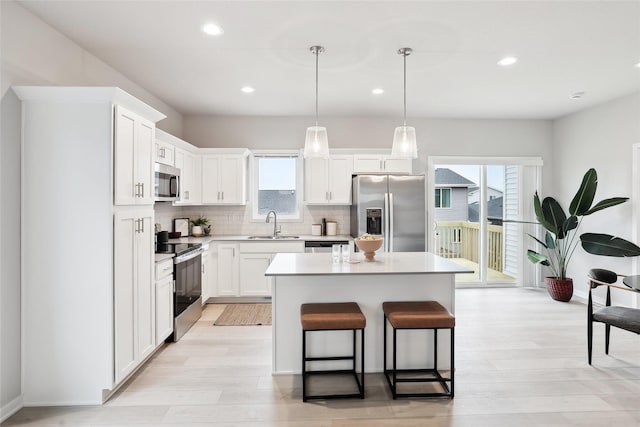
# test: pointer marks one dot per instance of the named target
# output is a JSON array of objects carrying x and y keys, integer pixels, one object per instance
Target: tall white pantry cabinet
[{"x": 87, "y": 241}]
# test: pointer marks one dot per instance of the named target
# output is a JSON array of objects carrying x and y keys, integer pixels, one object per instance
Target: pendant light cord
[
  {"x": 317, "y": 52},
  {"x": 404, "y": 55}
]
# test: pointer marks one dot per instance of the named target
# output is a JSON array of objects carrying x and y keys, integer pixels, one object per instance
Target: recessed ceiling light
[
  {"x": 637, "y": 65},
  {"x": 507, "y": 60},
  {"x": 377, "y": 91},
  {"x": 212, "y": 29},
  {"x": 247, "y": 89},
  {"x": 577, "y": 95}
]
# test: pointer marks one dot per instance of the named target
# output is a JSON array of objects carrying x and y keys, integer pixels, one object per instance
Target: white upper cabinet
[
  {"x": 134, "y": 142},
  {"x": 189, "y": 165},
  {"x": 374, "y": 163},
  {"x": 328, "y": 181},
  {"x": 164, "y": 152},
  {"x": 224, "y": 179}
]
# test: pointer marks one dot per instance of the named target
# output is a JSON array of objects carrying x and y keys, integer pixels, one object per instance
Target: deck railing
[{"x": 459, "y": 239}]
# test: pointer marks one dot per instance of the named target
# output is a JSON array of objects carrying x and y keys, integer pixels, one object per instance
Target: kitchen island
[{"x": 400, "y": 276}]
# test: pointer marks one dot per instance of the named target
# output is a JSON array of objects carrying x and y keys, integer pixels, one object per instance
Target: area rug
[{"x": 245, "y": 315}]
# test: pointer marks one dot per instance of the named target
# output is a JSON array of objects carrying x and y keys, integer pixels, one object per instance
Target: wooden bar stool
[
  {"x": 418, "y": 315},
  {"x": 337, "y": 316}
]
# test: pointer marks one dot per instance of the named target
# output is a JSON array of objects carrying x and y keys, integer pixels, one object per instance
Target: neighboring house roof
[
  {"x": 494, "y": 208},
  {"x": 447, "y": 178},
  {"x": 476, "y": 188}
]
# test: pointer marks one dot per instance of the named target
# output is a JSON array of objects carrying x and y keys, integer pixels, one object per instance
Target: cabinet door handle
[
  {"x": 218, "y": 195},
  {"x": 141, "y": 225},
  {"x": 384, "y": 162},
  {"x": 330, "y": 195},
  {"x": 223, "y": 195},
  {"x": 142, "y": 187},
  {"x": 186, "y": 194},
  {"x": 234, "y": 252},
  {"x": 136, "y": 192}
]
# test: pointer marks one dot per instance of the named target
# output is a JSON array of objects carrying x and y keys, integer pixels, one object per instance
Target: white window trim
[{"x": 253, "y": 184}]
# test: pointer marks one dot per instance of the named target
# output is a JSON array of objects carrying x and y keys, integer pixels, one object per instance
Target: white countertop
[
  {"x": 319, "y": 264},
  {"x": 245, "y": 238},
  {"x": 163, "y": 257}
]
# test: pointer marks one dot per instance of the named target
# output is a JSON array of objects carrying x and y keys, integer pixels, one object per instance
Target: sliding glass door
[{"x": 473, "y": 205}]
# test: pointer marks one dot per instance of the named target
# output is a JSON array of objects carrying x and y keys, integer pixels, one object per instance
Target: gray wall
[
  {"x": 600, "y": 137},
  {"x": 436, "y": 137}
]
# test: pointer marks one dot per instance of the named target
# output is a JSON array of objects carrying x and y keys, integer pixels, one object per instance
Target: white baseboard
[{"x": 10, "y": 408}]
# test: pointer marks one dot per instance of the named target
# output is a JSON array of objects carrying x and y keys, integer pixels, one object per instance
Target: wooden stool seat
[
  {"x": 333, "y": 316},
  {"x": 418, "y": 315},
  {"x": 428, "y": 315}
]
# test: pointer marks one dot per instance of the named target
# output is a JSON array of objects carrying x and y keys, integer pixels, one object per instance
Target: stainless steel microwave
[{"x": 167, "y": 183}]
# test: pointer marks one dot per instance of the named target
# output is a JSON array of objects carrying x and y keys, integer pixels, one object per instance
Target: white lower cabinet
[
  {"x": 227, "y": 270},
  {"x": 253, "y": 282},
  {"x": 209, "y": 271},
  {"x": 134, "y": 290},
  {"x": 255, "y": 257},
  {"x": 164, "y": 300}
]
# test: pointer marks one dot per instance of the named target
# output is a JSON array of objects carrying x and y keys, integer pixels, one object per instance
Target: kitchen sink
[{"x": 273, "y": 237}]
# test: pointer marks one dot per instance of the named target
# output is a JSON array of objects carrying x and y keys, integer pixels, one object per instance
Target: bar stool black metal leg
[
  {"x": 362, "y": 360},
  {"x": 395, "y": 367},
  {"x": 304, "y": 366},
  {"x": 452, "y": 361},
  {"x": 435, "y": 350}
]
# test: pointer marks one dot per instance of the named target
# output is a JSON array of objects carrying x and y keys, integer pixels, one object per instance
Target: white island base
[{"x": 305, "y": 278}]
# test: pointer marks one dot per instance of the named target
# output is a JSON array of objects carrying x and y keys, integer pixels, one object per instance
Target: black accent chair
[{"x": 620, "y": 317}]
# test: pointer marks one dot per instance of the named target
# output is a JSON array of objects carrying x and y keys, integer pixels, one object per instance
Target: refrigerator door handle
[
  {"x": 390, "y": 222},
  {"x": 387, "y": 236}
]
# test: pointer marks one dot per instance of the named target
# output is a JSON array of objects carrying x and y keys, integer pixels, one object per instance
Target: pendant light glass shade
[
  {"x": 404, "y": 137},
  {"x": 316, "y": 142},
  {"x": 404, "y": 142}
]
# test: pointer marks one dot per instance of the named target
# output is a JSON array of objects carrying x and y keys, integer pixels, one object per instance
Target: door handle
[{"x": 390, "y": 222}]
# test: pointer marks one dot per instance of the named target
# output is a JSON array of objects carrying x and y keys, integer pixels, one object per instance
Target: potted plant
[
  {"x": 560, "y": 235},
  {"x": 197, "y": 225}
]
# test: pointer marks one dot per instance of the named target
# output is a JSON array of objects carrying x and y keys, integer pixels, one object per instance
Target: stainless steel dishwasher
[{"x": 315, "y": 246}]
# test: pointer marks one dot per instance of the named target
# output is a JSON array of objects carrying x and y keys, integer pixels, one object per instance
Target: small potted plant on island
[
  {"x": 560, "y": 240},
  {"x": 197, "y": 226}
]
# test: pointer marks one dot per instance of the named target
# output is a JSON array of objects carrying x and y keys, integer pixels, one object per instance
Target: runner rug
[{"x": 245, "y": 315}]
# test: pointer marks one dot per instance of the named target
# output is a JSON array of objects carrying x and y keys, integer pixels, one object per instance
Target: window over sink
[{"x": 276, "y": 185}]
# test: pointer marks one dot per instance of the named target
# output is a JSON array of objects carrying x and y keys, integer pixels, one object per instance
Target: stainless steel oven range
[{"x": 187, "y": 284}]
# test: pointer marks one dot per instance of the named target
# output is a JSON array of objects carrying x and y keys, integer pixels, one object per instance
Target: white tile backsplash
[{"x": 236, "y": 220}]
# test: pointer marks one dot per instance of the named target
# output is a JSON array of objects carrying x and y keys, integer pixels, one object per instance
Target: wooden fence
[{"x": 460, "y": 239}]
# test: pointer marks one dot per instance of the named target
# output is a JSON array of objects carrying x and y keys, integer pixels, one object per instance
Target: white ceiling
[{"x": 563, "y": 47}]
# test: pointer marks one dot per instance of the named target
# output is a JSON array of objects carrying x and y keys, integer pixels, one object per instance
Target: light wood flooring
[{"x": 521, "y": 361}]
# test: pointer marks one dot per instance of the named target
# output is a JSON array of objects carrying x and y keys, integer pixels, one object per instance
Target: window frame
[
  {"x": 253, "y": 187},
  {"x": 440, "y": 190}
]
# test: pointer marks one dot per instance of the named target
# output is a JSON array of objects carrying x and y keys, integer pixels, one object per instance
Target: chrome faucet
[{"x": 275, "y": 222}]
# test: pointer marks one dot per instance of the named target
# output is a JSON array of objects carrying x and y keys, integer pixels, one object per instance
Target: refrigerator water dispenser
[{"x": 374, "y": 221}]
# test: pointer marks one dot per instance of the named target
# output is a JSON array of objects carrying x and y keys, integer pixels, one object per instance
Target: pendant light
[
  {"x": 404, "y": 137},
  {"x": 316, "y": 143}
]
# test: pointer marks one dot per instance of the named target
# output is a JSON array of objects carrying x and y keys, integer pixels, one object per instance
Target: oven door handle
[{"x": 187, "y": 257}]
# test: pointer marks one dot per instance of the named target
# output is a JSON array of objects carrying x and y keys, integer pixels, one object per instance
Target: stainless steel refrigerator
[{"x": 391, "y": 206}]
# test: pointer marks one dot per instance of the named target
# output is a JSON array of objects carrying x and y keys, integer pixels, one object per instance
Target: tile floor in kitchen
[{"x": 520, "y": 359}]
